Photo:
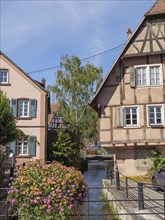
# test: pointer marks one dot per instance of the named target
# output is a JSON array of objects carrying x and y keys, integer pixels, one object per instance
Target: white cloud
[{"x": 48, "y": 29}]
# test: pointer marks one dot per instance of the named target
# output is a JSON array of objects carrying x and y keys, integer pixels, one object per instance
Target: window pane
[
  {"x": 19, "y": 148},
  {"x": 152, "y": 115},
  {"x": 134, "y": 121},
  {"x": 155, "y": 115},
  {"x": 151, "y": 70},
  {"x": 3, "y": 76},
  {"x": 158, "y": 109},
  {"x": 155, "y": 75},
  {"x": 133, "y": 110},
  {"x": 127, "y": 111},
  {"x": 128, "y": 122},
  {"x": 159, "y": 121},
  {"x": 23, "y": 110},
  {"x": 22, "y": 148},
  {"x": 25, "y": 149},
  {"x": 152, "y": 121},
  {"x": 131, "y": 116},
  {"x": 134, "y": 116},
  {"x": 141, "y": 76},
  {"x": 151, "y": 109}
]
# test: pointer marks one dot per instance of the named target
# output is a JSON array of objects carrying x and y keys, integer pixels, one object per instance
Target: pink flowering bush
[{"x": 46, "y": 191}]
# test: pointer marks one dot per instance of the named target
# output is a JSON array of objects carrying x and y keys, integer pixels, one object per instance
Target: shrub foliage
[{"x": 46, "y": 191}]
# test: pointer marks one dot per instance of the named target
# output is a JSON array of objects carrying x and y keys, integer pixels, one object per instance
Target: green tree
[
  {"x": 65, "y": 149},
  {"x": 75, "y": 85},
  {"x": 8, "y": 129}
]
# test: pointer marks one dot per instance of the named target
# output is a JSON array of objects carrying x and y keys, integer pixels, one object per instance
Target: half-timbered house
[{"x": 131, "y": 100}]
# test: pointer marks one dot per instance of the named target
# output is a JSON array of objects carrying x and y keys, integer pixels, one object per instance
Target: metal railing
[
  {"x": 143, "y": 193},
  {"x": 5, "y": 209},
  {"x": 133, "y": 191}
]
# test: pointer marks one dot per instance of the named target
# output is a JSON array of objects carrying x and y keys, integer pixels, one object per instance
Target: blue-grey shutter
[
  {"x": 132, "y": 76},
  {"x": 14, "y": 107},
  {"x": 32, "y": 145},
  {"x": 119, "y": 117},
  {"x": 12, "y": 146},
  {"x": 33, "y": 108}
]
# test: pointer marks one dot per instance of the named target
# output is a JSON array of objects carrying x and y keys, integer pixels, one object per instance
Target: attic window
[
  {"x": 146, "y": 75},
  {"x": 4, "y": 77}
]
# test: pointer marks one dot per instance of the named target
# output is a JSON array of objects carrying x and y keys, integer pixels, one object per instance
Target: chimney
[
  {"x": 129, "y": 33},
  {"x": 43, "y": 82}
]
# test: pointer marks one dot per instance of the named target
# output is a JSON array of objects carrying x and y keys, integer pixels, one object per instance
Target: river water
[{"x": 98, "y": 207}]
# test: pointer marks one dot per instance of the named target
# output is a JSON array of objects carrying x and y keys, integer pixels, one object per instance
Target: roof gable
[
  {"x": 157, "y": 8},
  {"x": 54, "y": 108},
  {"x": 23, "y": 72}
]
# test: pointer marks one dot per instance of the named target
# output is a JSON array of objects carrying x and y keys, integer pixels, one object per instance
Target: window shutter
[
  {"x": 14, "y": 107},
  {"x": 12, "y": 146},
  {"x": 33, "y": 108},
  {"x": 32, "y": 146},
  {"x": 132, "y": 76},
  {"x": 119, "y": 117}
]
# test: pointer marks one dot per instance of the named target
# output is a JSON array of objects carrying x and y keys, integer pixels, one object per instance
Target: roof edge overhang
[
  {"x": 117, "y": 60},
  {"x": 121, "y": 55},
  {"x": 157, "y": 11},
  {"x": 37, "y": 84}
]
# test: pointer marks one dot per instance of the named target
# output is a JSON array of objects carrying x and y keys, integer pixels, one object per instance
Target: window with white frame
[
  {"x": 23, "y": 108},
  {"x": 155, "y": 115},
  {"x": 148, "y": 75},
  {"x": 141, "y": 76},
  {"x": 3, "y": 76},
  {"x": 131, "y": 116},
  {"x": 22, "y": 147},
  {"x": 154, "y": 75}
]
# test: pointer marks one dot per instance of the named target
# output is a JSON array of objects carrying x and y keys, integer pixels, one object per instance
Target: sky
[{"x": 34, "y": 34}]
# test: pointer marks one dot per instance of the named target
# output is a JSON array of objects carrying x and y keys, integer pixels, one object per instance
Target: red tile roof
[
  {"x": 54, "y": 108},
  {"x": 157, "y": 8}
]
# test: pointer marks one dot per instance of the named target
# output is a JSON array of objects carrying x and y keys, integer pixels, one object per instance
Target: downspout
[{"x": 47, "y": 111}]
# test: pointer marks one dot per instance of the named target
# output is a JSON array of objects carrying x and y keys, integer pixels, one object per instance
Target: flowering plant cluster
[{"x": 46, "y": 191}]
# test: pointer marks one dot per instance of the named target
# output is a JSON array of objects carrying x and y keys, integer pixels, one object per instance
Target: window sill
[
  {"x": 156, "y": 126},
  {"x": 137, "y": 126},
  {"x": 22, "y": 156},
  {"x": 23, "y": 118},
  {"x": 148, "y": 86},
  {"x": 5, "y": 84}
]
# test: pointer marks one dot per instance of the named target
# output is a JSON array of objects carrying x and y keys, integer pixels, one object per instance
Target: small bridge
[{"x": 98, "y": 157}]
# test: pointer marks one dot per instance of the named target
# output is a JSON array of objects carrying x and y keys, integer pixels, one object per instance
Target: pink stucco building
[{"x": 30, "y": 106}]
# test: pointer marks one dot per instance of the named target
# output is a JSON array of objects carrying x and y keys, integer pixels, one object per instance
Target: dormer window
[{"x": 4, "y": 77}]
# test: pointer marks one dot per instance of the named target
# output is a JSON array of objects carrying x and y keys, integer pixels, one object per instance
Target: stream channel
[{"x": 99, "y": 208}]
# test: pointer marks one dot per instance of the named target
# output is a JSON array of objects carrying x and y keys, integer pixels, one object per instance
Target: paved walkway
[
  {"x": 151, "y": 206},
  {"x": 153, "y": 200}
]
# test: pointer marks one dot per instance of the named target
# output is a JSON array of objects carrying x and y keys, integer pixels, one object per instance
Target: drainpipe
[{"x": 46, "y": 124}]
